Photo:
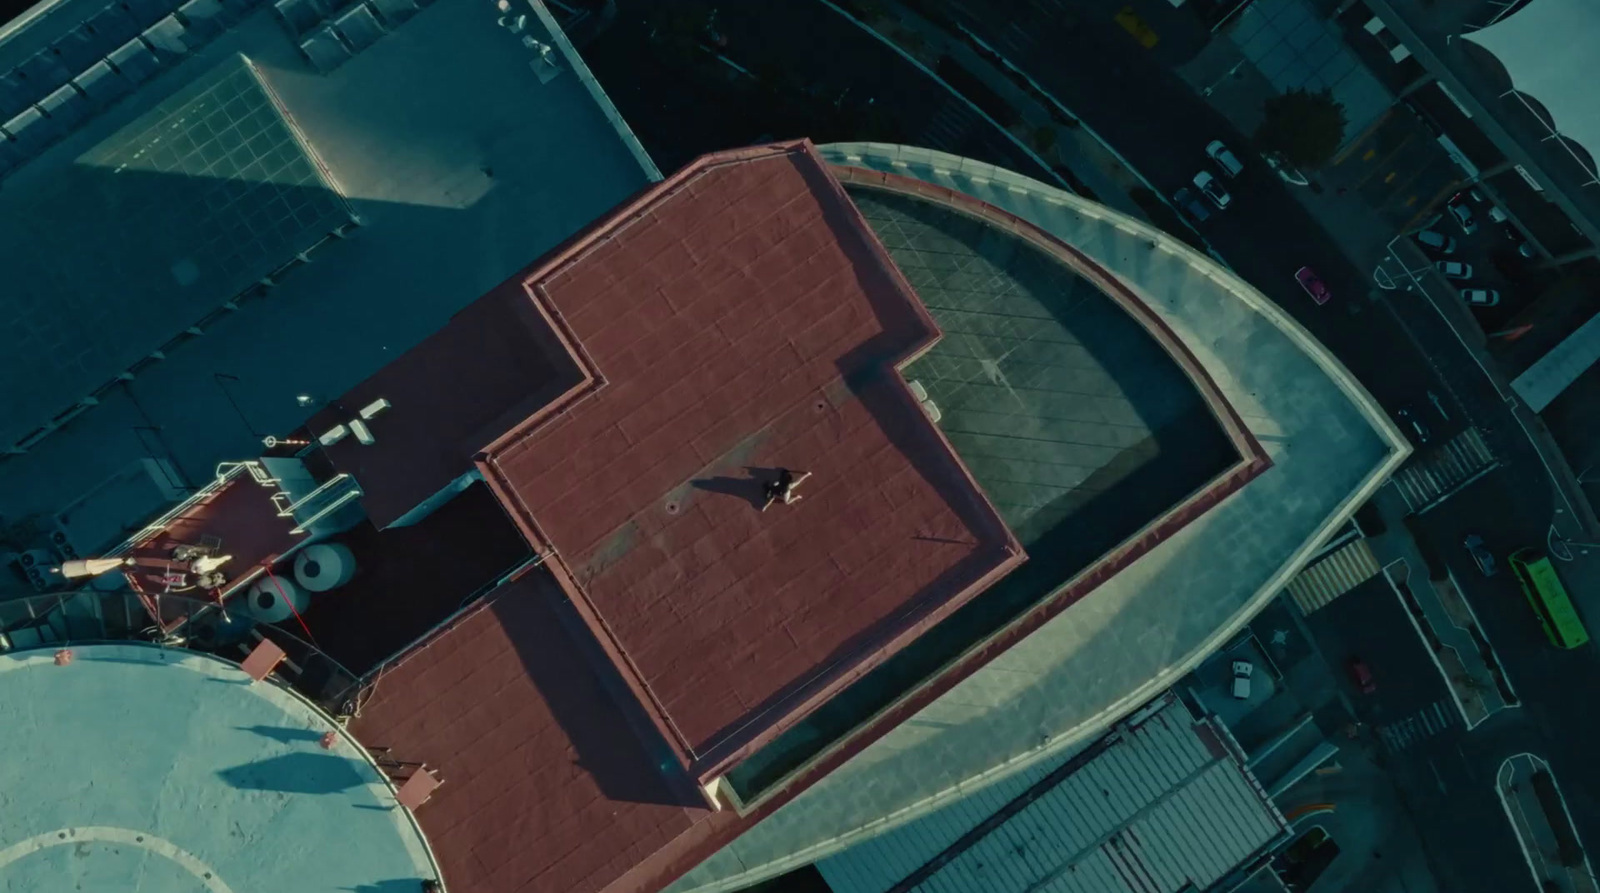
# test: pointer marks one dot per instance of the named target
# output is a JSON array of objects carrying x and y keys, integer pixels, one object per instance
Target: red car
[
  {"x": 1313, "y": 285},
  {"x": 1362, "y": 676}
]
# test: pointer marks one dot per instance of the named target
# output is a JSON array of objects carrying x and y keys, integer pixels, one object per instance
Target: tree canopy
[{"x": 1305, "y": 128}]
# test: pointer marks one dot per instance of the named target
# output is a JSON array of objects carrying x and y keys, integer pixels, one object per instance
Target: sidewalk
[{"x": 1540, "y": 817}]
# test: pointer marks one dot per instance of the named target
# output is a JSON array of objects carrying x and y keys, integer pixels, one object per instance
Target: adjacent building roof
[
  {"x": 171, "y": 769},
  {"x": 1550, "y": 48},
  {"x": 1065, "y": 672},
  {"x": 1159, "y": 803},
  {"x": 403, "y": 136}
]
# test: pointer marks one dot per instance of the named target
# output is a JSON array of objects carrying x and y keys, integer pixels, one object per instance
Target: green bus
[{"x": 1548, "y": 597}]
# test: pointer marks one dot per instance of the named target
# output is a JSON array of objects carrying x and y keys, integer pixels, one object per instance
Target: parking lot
[{"x": 1485, "y": 259}]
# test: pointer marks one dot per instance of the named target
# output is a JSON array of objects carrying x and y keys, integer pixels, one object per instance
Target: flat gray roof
[
  {"x": 172, "y": 771},
  {"x": 146, "y": 233},
  {"x": 1063, "y": 407},
  {"x": 1331, "y": 446},
  {"x": 463, "y": 160}
]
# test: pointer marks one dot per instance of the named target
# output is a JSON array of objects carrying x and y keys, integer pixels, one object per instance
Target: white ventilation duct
[
  {"x": 324, "y": 566},
  {"x": 275, "y": 599}
]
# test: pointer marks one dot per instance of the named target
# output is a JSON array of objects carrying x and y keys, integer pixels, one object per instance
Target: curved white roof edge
[
  {"x": 1544, "y": 51},
  {"x": 1331, "y": 444}
]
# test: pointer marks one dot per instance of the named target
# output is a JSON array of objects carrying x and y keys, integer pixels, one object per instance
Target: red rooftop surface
[
  {"x": 740, "y": 318},
  {"x": 233, "y": 516},
  {"x": 544, "y": 787}
]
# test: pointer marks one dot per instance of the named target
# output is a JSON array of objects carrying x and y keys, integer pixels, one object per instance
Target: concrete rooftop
[
  {"x": 420, "y": 151},
  {"x": 99, "y": 800},
  {"x": 1330, "y": 446}
]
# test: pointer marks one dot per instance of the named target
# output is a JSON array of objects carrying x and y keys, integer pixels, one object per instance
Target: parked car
[
  {"x": 1361, "y": 675},
  {"x": 1462, "y": 213},
  {"x": 1437, "y": 241},
  {"x": 1454, "y": 269},
  {"x": 1226, "y": 160},
  {"x": 1212, "y": 187},
  {"x": 1191, "y": 204},
  {"x": 1286, "y": 172},
  {"x": 1417, "y": 427},
  {"x": 1480, "y": 297},
  {"x": 1523, "y": 246},
  {"x": 1242, "y": 671},
  {"x": 1497, "y": 214},
  {"x": 1480, "y": 554},
  {"x": 1313, "y": 284}
]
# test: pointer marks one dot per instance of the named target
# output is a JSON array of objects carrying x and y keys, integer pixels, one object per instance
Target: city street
[{"x": 1445, "y": 774}]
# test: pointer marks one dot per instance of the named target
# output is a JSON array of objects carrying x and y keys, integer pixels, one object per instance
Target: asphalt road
[
  {"x": 1558, "y": 688},
  {"x": 1444, "y": 773}
]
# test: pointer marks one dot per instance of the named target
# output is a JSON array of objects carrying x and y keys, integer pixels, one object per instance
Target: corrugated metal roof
[{"x": 1152, "y": 807}]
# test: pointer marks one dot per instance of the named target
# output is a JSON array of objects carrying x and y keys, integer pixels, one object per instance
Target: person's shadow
[{"x": 752, "y": 488}]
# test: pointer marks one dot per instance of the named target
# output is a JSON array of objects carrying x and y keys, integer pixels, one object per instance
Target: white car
[
  {"x": 1242, "y": 671},
  {"x": 1437, "y": 241},
  {"x": 1212, "y": 188},
  {"x": 1454, "y": 269},
  {"x": 1226, "y": 160},
  {"x": 1286, "y": 172},
  {"x": 1462, "y": 212},
  {"x": 1480, "y": 297}
]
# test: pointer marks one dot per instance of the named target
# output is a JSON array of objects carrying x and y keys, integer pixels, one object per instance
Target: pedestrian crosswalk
[
  {"x": 1437, "y": 473},
  {"x": 1337, "y": 573},
  {"x": 1418, "y": 727}
]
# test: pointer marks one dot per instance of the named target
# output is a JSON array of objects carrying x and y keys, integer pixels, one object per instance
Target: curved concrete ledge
[{"x": 1331, "y": 446}]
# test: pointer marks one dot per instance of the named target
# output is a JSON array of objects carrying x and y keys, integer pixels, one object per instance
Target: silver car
[
  {"x": 1212, "y": 187},
  {"x": 1480, "y": 554},
  {"x": 1454, "y": 269},
  {"x": 1225, "y": 159}
]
